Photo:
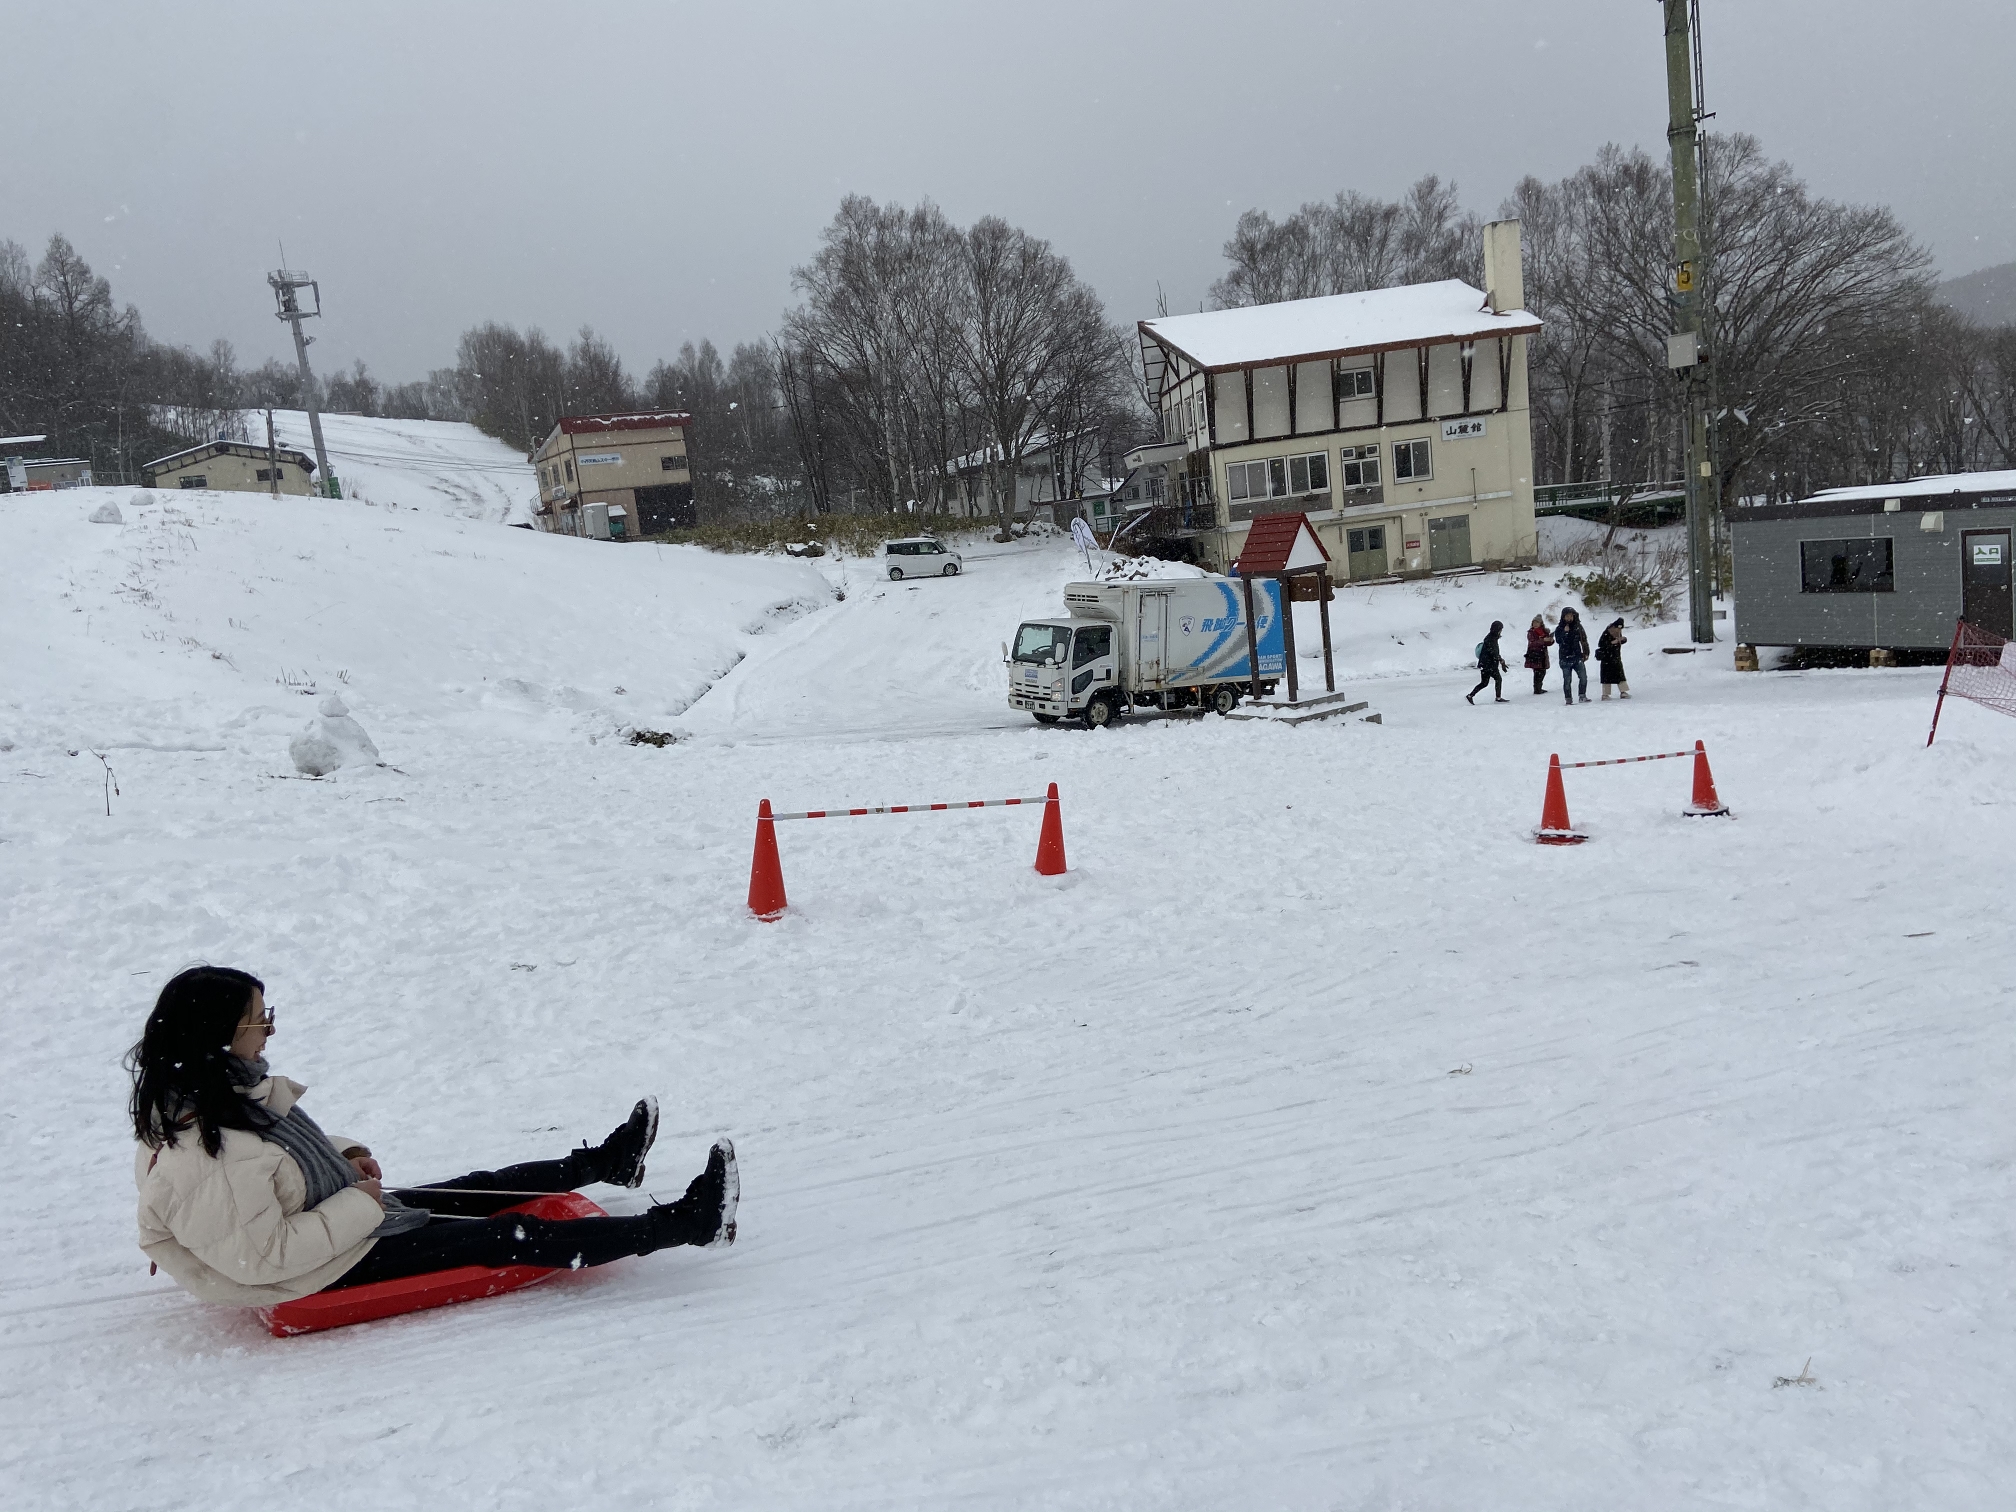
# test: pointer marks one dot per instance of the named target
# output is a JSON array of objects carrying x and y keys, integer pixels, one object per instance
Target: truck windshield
[{"x": 1037, "y": 644}]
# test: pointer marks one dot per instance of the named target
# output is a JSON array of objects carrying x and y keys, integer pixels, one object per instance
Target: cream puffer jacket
[{"x": 231, "y": 1227}]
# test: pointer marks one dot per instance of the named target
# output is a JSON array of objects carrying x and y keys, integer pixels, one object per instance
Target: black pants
[
  {"x": 464, "y": 1232},
  {"x": 1539, "y": 679},
  {"x": 1490, "y": 678}
]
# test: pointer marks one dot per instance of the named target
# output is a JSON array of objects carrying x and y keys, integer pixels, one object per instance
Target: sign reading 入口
[
  {"x": 1461, "y": 430},
  {"x": 1987, "y": 553}
]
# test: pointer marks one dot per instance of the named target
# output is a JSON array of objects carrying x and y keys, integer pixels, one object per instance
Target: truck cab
[{"x": 1061, "y": 668}]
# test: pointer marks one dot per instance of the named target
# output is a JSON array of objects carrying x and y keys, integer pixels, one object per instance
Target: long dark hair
[{"x": 181, "y": 1067}]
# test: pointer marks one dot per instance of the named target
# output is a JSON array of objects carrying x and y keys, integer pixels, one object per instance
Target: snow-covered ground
[
  {"x": 1316, "y": 1141},
  {"x": 435, "y": 466}
]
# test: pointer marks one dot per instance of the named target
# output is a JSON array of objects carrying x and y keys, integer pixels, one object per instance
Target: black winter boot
[
  {"x": 619, "y": 1159},
  {"x": 705, "y": 1216}
]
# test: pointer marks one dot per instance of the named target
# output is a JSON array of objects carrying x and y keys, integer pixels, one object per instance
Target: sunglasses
[{"x": 265, "y": 1023}]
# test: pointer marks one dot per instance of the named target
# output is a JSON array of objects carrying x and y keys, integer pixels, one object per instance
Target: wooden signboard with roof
[{"x": 1285, "y": 547}]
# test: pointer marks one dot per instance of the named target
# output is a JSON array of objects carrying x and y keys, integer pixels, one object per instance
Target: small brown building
[
  {"x": 616, "y": 477},
  {"x": 235, "y": 466}
]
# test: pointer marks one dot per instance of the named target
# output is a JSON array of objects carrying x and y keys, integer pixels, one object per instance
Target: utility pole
[
  {"x": 1688, "y": 352},
  {"x": 287, "y": 287},
  {"x": 272, "y": 456}
]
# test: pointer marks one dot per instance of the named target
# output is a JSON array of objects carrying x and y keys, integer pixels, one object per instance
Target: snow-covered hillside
[
  {"x": 203, "y": 620},
  {"x": 435, "y": 466},
  {"x": 1317, "y": 1141}
]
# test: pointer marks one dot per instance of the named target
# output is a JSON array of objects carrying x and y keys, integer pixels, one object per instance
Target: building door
[
  {"x": 1448, "y": 543},
  {"x": 1366, "y": 550},
  {"x": 1153, "y": 625},
  {"x": 1984, "y": 568}
]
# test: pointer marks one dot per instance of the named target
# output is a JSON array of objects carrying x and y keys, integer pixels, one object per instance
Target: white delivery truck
[{"x": 1174, "y": 643}]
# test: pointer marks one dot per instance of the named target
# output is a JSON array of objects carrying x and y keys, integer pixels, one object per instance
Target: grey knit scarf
[{"x": 323, "y": 1168}]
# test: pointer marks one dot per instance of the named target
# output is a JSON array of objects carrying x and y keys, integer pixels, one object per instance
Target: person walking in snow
[
  {"x": 1610, "y": 658},
  {"x": 1490, "y": 665},
  {"x": 1538, "y": 639},
  {"x": 1572, "y": 641},
  {"x": 245, "y": 1201}
]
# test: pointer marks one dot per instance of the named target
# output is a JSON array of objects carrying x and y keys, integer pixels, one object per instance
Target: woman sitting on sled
[{"x": 244, "y": 1200}]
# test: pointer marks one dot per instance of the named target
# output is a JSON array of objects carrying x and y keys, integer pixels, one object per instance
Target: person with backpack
[
  {"x": 1572, "y": 641},
  {"x": 1610, "y": 657},
  {"x": 1538, "y": 638},
  {"x": 1490, "y": 665}
]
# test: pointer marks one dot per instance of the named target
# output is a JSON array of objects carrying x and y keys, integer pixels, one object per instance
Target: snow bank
[{"x": 205, "y": 619}]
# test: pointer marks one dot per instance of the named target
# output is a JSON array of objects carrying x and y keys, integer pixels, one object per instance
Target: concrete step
[{"x": 1269, "y": 712}]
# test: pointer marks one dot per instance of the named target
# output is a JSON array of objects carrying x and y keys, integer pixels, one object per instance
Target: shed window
[
  {"x": 193, "y": 480},
  {"x": 1860, "y": 566},
  {"x": 1411, "y": 461},
  {"x": 672, "y": 464}
]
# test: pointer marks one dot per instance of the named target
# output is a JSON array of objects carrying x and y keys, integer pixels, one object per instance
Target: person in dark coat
[
  {"x": 1538, "y": 639},
  {"x": 1610, "y": 657},
  {"x": 1490, "y": 666},
  {"x": 1572, "y": 641}
]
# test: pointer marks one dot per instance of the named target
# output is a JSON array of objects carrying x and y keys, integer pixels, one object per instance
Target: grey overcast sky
[{"x": 655, "y": 170}]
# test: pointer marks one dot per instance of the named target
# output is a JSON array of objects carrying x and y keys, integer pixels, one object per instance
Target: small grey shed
[{"x": 1892, "y": 566}]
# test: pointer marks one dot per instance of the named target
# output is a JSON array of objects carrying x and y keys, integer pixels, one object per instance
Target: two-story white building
[{"x": 1396, "y": 419}]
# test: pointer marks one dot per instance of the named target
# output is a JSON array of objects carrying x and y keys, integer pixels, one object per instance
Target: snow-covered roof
[
  {"x": 1336, "y": 324},
  {"x": 1937, "y": 486},
  {"x": 220, "y": 447},
  {"x": 1039, "y": 443}
]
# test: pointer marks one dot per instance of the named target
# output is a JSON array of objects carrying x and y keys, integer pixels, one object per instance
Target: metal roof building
[{"x": 1889, "y": 566}]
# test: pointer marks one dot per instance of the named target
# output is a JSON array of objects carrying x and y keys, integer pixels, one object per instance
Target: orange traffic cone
[
  {"x": 1554, "y": 826},
  {"x": 766, "y": 874},
  {"x": 1706, "y": 803},
  {"x": 1050, "y": 845}
]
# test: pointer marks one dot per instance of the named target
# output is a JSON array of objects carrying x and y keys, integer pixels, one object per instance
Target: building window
[
  {"x": 1310, "y": 474},
  {"x": 1846, "y": 566},
  {"x": 193, "y": 480},
  {"x": 1410, "y": 461},
  {"x": 1354, "y": 383},
  {"x": 1360, "y": 466},
  {"x": 1277, "y": 477},
  {"x": 570, "y": 471},
  {"x": 672, "y": 464},
  {"x": 1246, "y": 478}
]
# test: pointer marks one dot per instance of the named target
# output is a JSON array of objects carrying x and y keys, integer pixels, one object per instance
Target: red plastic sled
[{"x": 386, "y": 1299}]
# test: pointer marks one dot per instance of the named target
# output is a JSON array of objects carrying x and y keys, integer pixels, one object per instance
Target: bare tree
[
  {"x": 1351, "y": 243},
  {"x": 1035, "y": 347}
]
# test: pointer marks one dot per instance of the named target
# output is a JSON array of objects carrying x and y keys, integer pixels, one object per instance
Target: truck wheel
[
  {"x": 1099, "y": 713},
  {"x": 1046, "y": 719},
  {"x": 1224, "y": 700},
  {"x": 895, "y": 574},
  {"x": 951, "y": 570}
]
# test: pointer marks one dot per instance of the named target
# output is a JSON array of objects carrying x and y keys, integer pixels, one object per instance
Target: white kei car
[{"x": 920, "y": 556}]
